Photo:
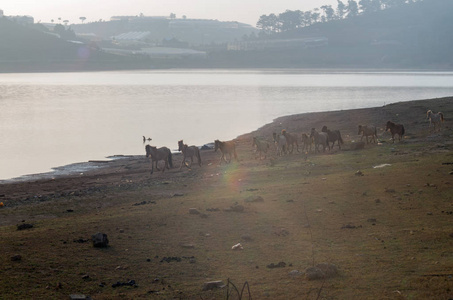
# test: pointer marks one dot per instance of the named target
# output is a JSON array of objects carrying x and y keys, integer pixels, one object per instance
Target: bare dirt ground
[{"x": 382, "y": 215}]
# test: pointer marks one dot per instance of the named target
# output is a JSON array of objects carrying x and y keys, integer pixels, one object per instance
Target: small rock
[
  {"x": 79, "y": 297},
  {"x": 188, "y": 246},
  {"x": 279, "y": 265},
  {"x": 246, "y": 238},
  {"x": 194, "y": 211},
  {"x": 314, "y": 273},
  {"x": 16, "y": 257},
  {"x": 100, "y": 240},
  {"x": 24, "y": 226},
  {"x": 254, "y": 199},
  {"x": 295, "y": 273},
  {"x": 359, "y": 173}
]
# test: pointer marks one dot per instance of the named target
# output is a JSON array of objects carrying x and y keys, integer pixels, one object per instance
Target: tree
[
  {"x": 172, "y": 16},
  {"x": 269, "y": 24},
  {"x": 367, "y": 6},
  {"x": 329, "y": 13},
  {"x": 352, "y": 8},
  {"x": 82, "y": 19},
  {"x": 290, "y": 20},
  {"x": 341, "y": 9}
]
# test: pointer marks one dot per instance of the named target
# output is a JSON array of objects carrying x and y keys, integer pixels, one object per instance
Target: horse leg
[{"x": 182, "y": 162}]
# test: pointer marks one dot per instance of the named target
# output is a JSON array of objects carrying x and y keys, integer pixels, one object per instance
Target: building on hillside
[
  {"x": 161, "y": 53},
  {"x": 278, "y": 44},
  {"x": 133, "y": 37}
]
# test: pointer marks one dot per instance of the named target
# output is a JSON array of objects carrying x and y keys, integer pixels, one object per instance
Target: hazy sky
[{"x": 246, "y": 11}]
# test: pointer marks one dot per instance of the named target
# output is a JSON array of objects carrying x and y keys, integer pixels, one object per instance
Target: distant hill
[
  {"x": 24, "y": 49},
  {"x": 414, "y": 35}
]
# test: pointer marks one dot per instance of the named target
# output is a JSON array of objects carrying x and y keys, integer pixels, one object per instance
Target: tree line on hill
[{"x": 294, "y": 19}]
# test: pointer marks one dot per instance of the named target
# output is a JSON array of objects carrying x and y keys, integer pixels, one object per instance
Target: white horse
[
  {"x": 435, "y": 120},
  {"x": 280, "y": 143}
]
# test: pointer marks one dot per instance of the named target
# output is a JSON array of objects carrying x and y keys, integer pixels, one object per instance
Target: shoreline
[
  {"x": 86, "y": 167},
  {"x": 135, "y": 169}
]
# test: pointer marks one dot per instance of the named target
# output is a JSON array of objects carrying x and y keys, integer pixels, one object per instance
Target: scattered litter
[
  {"x": 238, "y": 246},
  {"x": 381, "y": 166}
]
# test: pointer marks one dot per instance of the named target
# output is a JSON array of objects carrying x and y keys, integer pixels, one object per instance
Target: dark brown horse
[
  {"x": 395, "y": 129},
  {"x": 334, "y": 136},
  {"x": 162, "y": 153}
]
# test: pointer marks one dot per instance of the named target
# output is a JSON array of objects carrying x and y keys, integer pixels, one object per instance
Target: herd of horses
[{"x": 284, "y": 143}]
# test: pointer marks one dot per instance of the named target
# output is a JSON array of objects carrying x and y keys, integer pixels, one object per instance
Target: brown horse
[
  {"x": 226, "y": 148},
  {"x": 435, "y": 119},
  {"x": 162, "y": 153},
  {"x": 395, "y": 129},
  {"x": 291, "y": 139},
  {"x": 188, "y": 151},
  {"x": 334, "y": 136},
  {"x": 367, "y": 131}
]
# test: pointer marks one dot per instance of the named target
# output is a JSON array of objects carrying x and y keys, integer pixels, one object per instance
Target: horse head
[
  {"x": 324, "y": 128},
  {"x": 428, "y": 114},
  {"x": 312, "y": 132},
  {"x": 180, "y": 145},
  {"x": 216, "y": 145},
  {"x": 360, "y": 129},
  {"x": 388, "y": 125}
]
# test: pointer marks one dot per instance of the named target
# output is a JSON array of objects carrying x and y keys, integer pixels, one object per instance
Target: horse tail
[
  {"x": 402, "y": 130},
  {"x": 340, "y": 138},
  {"x": 198, "y": 156},
  {"x": 170, "y": 160}
]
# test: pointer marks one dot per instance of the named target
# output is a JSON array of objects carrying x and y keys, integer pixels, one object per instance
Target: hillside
[
  {"x": 411, "y": 36},
  {"x": 24, "y": 49}
]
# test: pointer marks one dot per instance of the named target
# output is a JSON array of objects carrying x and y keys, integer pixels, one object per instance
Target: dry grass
[{"x": 388, "y": 231}]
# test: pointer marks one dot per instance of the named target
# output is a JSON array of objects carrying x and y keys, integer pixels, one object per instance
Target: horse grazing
[
  {"x": 435, "y": 120},
  {"x": 334, "y": 136},
  {"x": 395, "y": 129},
  {"x": 368, "y": 131},
  {"x": 188, "y": 151},
  {"x": 226, "y": 148},
  {"x": 280, "y": 143},
  {"x": 291, "y": 139},
  {"x": 320, "y": 138},
  {"x": 306, "y": 142},
  {"x": 162, "y": 153},
  {"x": 261, "y": 146}
]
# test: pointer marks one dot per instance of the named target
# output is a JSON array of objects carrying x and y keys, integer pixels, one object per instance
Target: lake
[{"x": 55, "y": 119}]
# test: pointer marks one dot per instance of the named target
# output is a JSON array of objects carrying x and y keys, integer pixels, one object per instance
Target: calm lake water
[{"x": 54, "y": 119}]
